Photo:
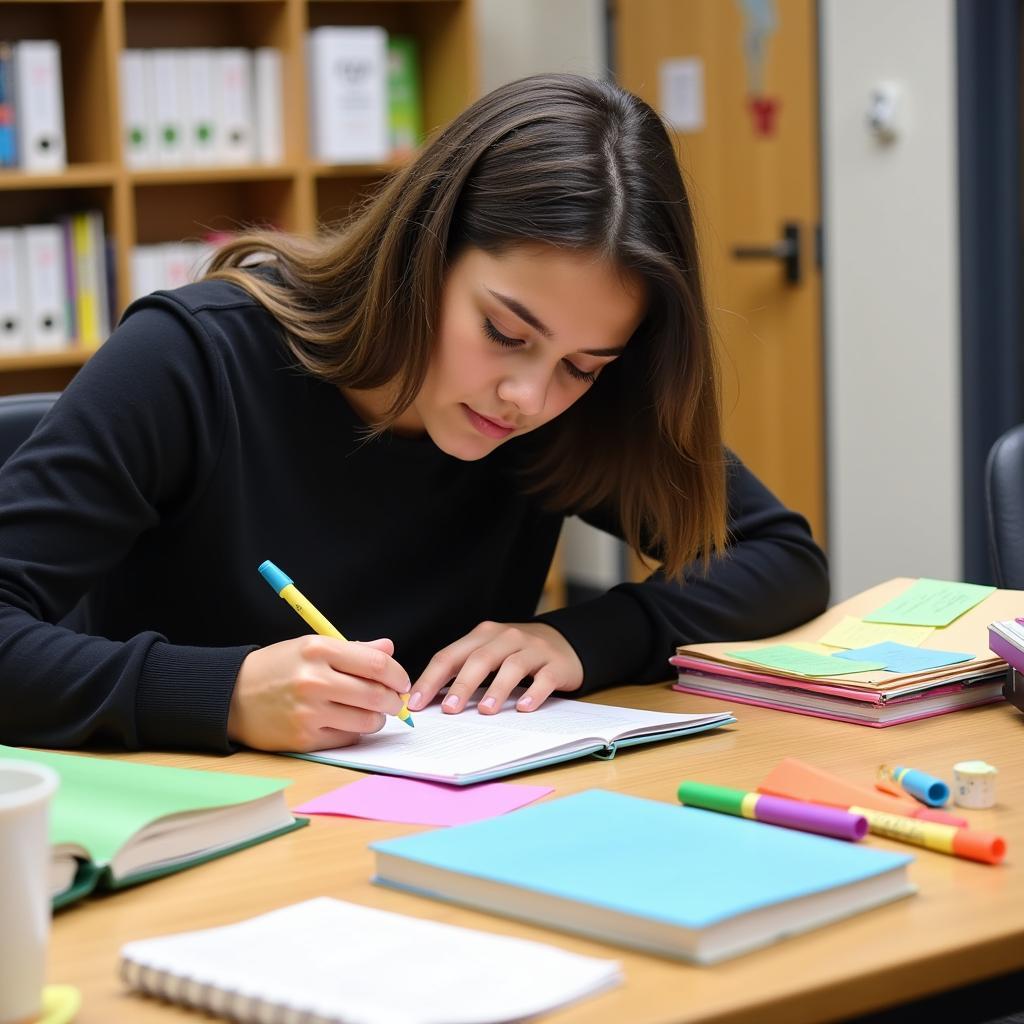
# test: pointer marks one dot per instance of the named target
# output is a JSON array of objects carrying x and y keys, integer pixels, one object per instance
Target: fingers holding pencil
[{"x": 313, "y": 693}]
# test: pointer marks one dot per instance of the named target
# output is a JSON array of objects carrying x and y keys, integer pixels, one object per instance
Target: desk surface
[{"x": 966, "y": 923}]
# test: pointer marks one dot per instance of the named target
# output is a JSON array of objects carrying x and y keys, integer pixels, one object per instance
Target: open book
[
  {"x": 327, "y": 962},
  {"x": 671, "y": 880},
  {"x": 116, "y": 823},
  {"x": 470, "y": 747}
]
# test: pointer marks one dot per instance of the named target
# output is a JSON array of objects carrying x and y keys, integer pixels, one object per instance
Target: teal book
[
  {"x": 676, "y": 881},
  {"x": 116, "y": 823}
]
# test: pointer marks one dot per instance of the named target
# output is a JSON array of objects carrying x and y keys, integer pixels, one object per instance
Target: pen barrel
[
  {"x": 317, "y": 622},
  {"x": 774, "y": 810},
  {"x": 711, "y": 798},
  {"x": 808, "y": 817},
  {"x": 959, "y": 842},
  {"x": 920, "y": 785}
]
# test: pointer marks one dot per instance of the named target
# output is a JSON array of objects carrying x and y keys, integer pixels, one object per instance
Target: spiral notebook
[{"x": 327, "y": 962}]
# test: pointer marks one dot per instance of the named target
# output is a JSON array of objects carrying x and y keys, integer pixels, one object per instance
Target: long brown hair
[{"x": 558, "y": 159}]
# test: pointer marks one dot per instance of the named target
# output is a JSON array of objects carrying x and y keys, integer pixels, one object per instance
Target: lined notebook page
[{"x": 325, "y": 961}]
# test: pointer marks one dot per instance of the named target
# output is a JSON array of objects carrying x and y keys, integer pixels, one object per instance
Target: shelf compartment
[
  {"x": 181, "y": 23},
  {"x": 46, "y": 201},
  {"x": 336, "y": 196},
  {"x": 175, "y": 212},
  {"x": 80, "y": 29}
]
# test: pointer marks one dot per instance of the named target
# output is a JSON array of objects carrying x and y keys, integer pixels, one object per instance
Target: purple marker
[{"x": 775, "y": 810}]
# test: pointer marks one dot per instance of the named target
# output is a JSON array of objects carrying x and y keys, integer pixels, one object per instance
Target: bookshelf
[{"x": 150, "y": 206}]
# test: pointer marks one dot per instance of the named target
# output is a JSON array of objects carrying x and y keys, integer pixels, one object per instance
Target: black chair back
[
  {"x": 19, "y": 415},
  {"x": 1004, "y": 503}
]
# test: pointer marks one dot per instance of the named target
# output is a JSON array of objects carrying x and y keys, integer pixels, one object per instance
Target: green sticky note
[
  {"x": 787, "y": 658},
  {"x": 930, "y": 603}
]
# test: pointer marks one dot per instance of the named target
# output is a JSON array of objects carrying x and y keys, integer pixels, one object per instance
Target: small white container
[{"x": 974, "y": 784}]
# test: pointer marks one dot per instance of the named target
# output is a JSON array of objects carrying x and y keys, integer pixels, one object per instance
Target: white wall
[
  {"x": 526, "y": 37},
  {"x": 892, "y": 300}
]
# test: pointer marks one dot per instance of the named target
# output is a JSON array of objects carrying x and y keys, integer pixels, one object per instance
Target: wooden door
[{"x": 749, "y": 151}]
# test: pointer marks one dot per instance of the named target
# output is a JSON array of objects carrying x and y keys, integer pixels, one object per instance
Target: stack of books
[{"x": 880, "y": 658}]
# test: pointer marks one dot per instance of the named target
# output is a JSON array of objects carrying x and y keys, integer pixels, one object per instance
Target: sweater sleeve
[
  {"x": 126, "y": 448},
  {"x": 771, "y": 577}
]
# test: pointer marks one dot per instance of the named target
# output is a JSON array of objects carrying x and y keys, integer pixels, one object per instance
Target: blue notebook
[{"x": 672, "y": 880}]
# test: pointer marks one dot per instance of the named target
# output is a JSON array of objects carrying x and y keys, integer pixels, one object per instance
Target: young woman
[{"x": 400, "y": 415}]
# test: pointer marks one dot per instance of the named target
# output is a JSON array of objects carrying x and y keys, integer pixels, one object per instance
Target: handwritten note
[
  {"x": 788, "y": 658},
  {"x": 900, "y": 658},
  {"x": 855, "y": 633},
  {"x": 386, "y": 798},
  {"x": 930, "y": 603}
]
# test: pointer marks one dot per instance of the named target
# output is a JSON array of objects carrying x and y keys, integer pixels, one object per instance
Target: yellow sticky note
[
  {"x": 852, "y": 633},
  {"x": 814, "y": 648}
]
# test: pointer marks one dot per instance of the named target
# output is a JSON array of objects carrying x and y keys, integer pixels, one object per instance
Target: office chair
[{"x": 19, "y": 415}]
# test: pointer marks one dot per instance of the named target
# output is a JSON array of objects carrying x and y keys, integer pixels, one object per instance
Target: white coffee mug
[{"x": 25, "y": 792}]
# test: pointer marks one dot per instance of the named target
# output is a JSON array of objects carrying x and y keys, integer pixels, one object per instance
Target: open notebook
[
  {"x": 115, "y": 823},
  {"x": 327, "y": 962},
  {"x": 470, "y": 747}
]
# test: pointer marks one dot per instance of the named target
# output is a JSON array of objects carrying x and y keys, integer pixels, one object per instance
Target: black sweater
[{"x": 190, "y": 448}]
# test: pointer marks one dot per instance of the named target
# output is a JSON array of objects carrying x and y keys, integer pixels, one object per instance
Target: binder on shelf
[
  {"x": 200, "y": 114},
  {"x": 43, "y": 246},
  {"x": 39, "y": 101},
  {"x": 92, "y": 300},
  {"x": 147, "y": 263},
  {"x": 138, "y": 117},
  {"x": 269, "y": 133},
  {"x": 347, "y": 68},
  {"x": 12, "y": 325},
  {"x": 8, "y": 133},
  {"x": 233, "y": 89},
  {"x": 405, "y": 117},
  {"x": 168, "y": 107}
]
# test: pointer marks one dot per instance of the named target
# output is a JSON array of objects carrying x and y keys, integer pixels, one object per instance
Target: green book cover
[
  {"x": 103, "y": 804},
  {"x": 405, "y": 115}
]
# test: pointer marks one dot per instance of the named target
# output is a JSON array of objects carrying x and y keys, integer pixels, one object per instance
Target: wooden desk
[{"x": 966, "y": 923}]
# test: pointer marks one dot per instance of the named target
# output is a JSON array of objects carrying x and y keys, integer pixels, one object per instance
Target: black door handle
[{"x": 787, "y": 249}]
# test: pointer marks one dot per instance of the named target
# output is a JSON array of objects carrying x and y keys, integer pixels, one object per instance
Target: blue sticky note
[{"x": 901, "y": 658}]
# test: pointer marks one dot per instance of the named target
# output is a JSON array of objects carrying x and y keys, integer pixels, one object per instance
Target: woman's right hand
[{"x": 315, "y": 692}]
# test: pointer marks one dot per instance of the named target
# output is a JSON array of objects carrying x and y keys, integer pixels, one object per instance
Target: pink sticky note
[{"x": 388, "y": 798}]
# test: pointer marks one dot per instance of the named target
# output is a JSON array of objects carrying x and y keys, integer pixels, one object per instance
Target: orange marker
[{"x": 960, "y": 842}]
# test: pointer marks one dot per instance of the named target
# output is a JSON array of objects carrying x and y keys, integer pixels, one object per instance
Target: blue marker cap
[
  {"x": 926, "y": 788},
  {"x": 277, "y": 579}
]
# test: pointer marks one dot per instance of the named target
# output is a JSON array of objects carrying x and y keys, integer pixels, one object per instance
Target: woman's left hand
[{"x": 512, "y": 651}]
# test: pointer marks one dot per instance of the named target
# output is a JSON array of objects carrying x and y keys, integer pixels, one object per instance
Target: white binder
[
  {"x": 147, "y": 270},
  {"x": 233, "y": 83},
  {"x": 269, "y": 129},
  {"x": 46, "y": 319},
  {"x": 39, "y": 102},
  {"x": 200, "y": 111},
  {"x": 138, "y": 128},
  {"x": 168, "y": 108},
  {"x": 347, "y": 69},
  {"x": 12, "y": 315}
]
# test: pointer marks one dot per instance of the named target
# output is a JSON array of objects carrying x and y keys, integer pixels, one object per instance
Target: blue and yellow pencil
[{"x": 285, "y": 588}]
